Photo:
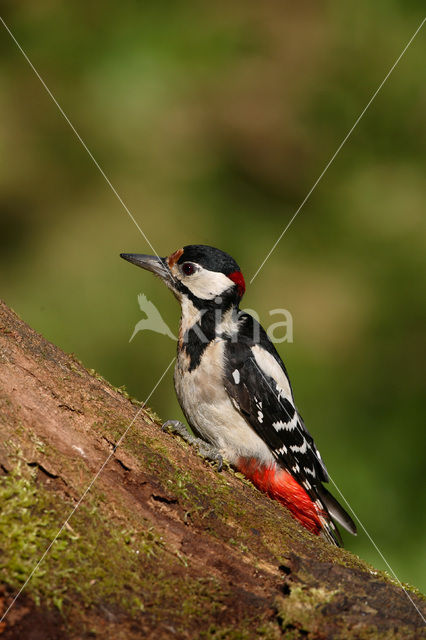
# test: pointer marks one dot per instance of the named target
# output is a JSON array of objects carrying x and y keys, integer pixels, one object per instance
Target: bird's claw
[
  {"x": 209, "y": 452},
  {"x": 176, "y": 426},
  {"x": 171, "y": 426},
  {"x": 205, "y": 450}
]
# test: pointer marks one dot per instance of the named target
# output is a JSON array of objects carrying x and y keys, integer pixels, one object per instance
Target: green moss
[
  {"x": 96, "y": 560},
  {"x": 228, "y": 633},
  {"x": 76, "y": 370},
  {"x": 147, "y": 411},
  {"x": 299, "y": 610},
  {"x": 246, "y": 631},
  {"x": 92, "y": 558},
  {"x": 200, "y": 499},
  {"x": 101, "y": 560}
]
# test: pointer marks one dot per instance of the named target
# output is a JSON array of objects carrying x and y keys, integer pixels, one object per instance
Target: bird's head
[{"x": 205, "y": 275}]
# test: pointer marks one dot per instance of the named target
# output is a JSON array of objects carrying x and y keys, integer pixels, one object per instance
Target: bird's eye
[{"x": 188, "y": 268}]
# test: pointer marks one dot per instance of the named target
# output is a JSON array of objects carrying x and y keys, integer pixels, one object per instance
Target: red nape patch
[
  {"x": 281, "y": 486},
  {"x": 238, "y": 278}
]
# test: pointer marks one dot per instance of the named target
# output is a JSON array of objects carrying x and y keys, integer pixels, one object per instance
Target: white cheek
[{"x": 206, "y": 284}]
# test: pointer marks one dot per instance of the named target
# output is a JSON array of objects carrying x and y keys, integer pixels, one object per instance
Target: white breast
[{"x": 209, "y": 410}]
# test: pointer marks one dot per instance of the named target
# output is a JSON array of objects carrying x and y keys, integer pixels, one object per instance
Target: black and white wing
[{"x": 259, "y": 387}]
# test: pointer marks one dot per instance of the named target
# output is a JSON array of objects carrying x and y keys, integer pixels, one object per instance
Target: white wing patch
[
  {"x": 289, "y": 426},
  {"x": 271, "y": 368},
  {"x": 302, "y": 449},
  {"x": 291, "y": 444},
  {"x": 283, "y": 449},
  {"x": 310, "y": 471}
]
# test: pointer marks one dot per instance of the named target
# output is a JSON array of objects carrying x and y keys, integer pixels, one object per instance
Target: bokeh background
[{"x": 213, "y": 120}]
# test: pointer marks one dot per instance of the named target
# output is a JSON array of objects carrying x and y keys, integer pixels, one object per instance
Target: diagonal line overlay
[
  {"x": 86, "y": 491},
  {"x": 339, "y": 148},
  {"x": 107, "y": 180},
  {"x": 78, "y": 136},
  {"x": 348, "y": 505}
]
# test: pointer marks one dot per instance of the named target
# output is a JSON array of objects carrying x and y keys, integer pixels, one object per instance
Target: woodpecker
[{"x": 235, "y": 392}]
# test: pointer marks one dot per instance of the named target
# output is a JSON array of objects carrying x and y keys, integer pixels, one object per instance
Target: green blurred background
[{"x": 213, "y": 120}]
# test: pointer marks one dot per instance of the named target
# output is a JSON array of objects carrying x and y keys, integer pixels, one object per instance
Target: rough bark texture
[{"x": 162, "y": 546}]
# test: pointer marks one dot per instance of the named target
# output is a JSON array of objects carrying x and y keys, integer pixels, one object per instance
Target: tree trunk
[{"x": 161, "y": 546}]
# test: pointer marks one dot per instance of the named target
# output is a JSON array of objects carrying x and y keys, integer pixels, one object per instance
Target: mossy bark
[{"x": 161, "y": 546}]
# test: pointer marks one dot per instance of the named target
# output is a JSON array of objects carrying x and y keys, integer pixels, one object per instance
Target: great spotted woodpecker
[{"x": 235, "y": 392}]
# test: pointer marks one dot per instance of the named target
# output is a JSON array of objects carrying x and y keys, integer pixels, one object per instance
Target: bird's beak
[{"x": 155, "y": 264}]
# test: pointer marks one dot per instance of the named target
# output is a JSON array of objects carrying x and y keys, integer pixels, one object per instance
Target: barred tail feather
[{"x": 330, "y": 532}]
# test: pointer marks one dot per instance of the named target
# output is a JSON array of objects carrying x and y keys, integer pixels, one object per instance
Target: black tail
[{"x": 336, "y": 511}]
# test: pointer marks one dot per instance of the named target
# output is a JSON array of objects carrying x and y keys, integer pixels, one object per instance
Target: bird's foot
[
  {"x": 210, "y": 452},
  {"x": 176, "y": 426},
  {"x": 206, "y": 450}
]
